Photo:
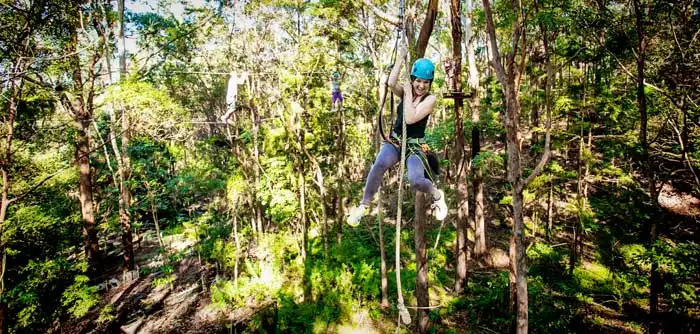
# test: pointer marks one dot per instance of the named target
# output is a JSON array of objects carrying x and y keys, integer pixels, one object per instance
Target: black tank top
[{"x": 415, "y": 130}]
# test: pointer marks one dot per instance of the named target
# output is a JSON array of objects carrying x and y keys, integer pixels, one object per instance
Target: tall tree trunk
[
  {"x": 509, "y": 77},
  {"x": 85, "y": 180},
  {"x": 480, "y": 246},
  {"x": 550, "y": 208},
  {"x": 125, "y": 196},
  {"x": 655, "y": 289},
  {"x": 5, "y": 161},
  {"x": 125, "y": 166},
  {"x": 302, "y": 203},
  {"x": 578, "y": 225},
  {"x": 459, "y": 157},
  {"x": 340, "y": 159},
  {"x": 255, "y": 118},
  {"x": 517, "y": 252},
  {"x": 421, "y": 293},
  {"x": 82, "y": 113},
  {"x": 549, "y": 84},
  {"x": 304, "y": 230}
]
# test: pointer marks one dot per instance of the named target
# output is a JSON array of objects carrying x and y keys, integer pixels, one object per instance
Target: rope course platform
[{"x": 452, "y": 94}]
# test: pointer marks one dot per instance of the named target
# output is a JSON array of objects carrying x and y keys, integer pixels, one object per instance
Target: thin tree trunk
[
  {"x": 480, "y": 246},
  {"x": 108, "y": 161},
  {"x": 427, "y": 28},
  {"x": 256, "y": 167},
  {"x": 253, "y": 217},
  {"x": 340, "y": 214},
  {"x": 510, "y": 82},
  {"x": 655, "y": 278},
  {"x": 682, "y": 135},
  {"x": 5, "y": 161},
  {"x": 380, "y": 214},
  {"x": 324, "y": 210},
  {"x": 549, "y": 84},
  {"x": 535, "y": 119},
  {"x": 382, "y": 252},
  {"x": 573, "y": 259},
  {"x": 587, "y": 171},
  {"x": 125, "y": 166},
  {"x": 322, "y": 193},
  {"x": 302, "y": 205},
  {"x": 238, "y": 248},
  {"x": 421, "y": 293},
  {"x": 578, "y": 227},
  {"x": 550, "y": 208},
  {"x": 154, "y": 211},
  {"x": 461, "y": 173},
  {"x": 125, "y": 196},
  {"x": 305, "y": 232}
]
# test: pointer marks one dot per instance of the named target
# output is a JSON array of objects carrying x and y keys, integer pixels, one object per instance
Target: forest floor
[
  {"x": 171, "y": 300},
  {"x": 162, "y": 299},
  {"x": 168, "y": 297}
]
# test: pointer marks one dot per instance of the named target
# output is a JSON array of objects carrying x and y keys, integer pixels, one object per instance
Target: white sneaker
[
  {"x": 440, "y": 207},
  {"x": 356, "y": 214}
]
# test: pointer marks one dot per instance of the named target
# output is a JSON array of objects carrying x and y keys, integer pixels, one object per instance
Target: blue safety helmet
[{"x": 423, "y": 69}]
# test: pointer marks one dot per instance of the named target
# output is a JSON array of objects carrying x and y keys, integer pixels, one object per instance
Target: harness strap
[{"x": 418, "y": 147}]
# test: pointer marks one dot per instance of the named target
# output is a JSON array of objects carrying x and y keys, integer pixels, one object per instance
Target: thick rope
[
  {"x": 404, "y": 316},
  {"x": 386, "y": 87}
]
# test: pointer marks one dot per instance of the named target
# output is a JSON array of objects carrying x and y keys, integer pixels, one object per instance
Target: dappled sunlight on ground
[
  {"x": 678, "y": 202},
  {"x": 361, "y": 323}
]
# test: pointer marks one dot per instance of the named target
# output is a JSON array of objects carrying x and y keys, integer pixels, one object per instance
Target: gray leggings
[{"x": 389, "y": 156}]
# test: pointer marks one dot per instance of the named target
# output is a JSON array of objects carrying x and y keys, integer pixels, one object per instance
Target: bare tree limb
[
  {"x": 39, "y": 184},
  {"x": 496, "y": 56},
  {"x": 393, "y": 20}
]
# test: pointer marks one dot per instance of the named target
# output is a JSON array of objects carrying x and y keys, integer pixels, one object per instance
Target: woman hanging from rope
[{"x": 416, "y": 105}]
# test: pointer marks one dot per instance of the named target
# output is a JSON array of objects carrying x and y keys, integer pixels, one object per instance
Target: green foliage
[
  {"x": 488, "y": 162},
  {"x": 546, "y": 262},
  {"x": 549, "y": 312},
  {"x": 151, "y": 111},
  {"x": 79, "y": 298},
  {"x": 106, "y": 314},
  {"x": 199, "y": 175},
  {"x": 29, "y": 298},
  {"x": 487, "y": 303},
  {"x": 678, "y": 263}
]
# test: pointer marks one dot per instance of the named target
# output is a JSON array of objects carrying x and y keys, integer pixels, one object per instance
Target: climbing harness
[{"x": 419, "y": 148}]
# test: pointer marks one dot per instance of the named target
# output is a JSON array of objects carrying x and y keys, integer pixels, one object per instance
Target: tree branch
[
  {"x": 165, "y": 45},
  {"x": 496, "y": 61},
  {"x": 427, "y": 28},
  {"x": 36, "y": 186},
  {"x": 393, "y": 20}
]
